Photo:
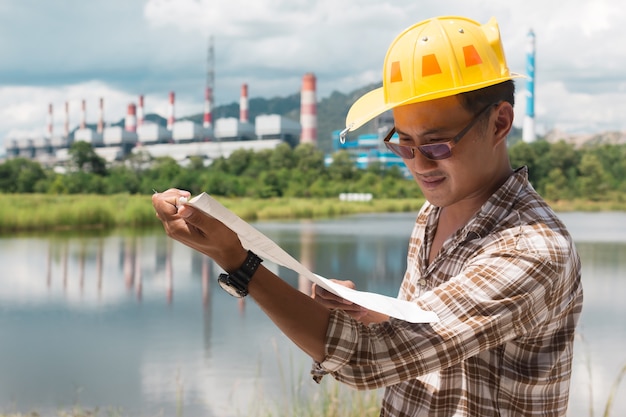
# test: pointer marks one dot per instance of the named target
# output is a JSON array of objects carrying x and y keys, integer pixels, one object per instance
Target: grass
[
  {"x": 42, "y": 212},
  {"x": 301, "y": 397},
  {"x": 29, "y": 212},
  {"x": 588, "y": 205},
  {"x": 616, "y": 383}
]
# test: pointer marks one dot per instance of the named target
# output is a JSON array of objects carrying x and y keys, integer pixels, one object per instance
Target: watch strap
[{"x": 240, "y": 278}]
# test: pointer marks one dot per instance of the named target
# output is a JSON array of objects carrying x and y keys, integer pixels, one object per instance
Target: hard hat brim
[
  {"x": 366, "y": 108},
  {"x": 373, "y": 104}
]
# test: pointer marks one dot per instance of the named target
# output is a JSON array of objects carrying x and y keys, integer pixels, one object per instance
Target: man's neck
[{"x": 457, "y": 215}]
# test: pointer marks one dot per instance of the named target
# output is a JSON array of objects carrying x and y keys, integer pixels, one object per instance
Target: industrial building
[
  {"x": 367, "y": 149},
  {"x": 180, "y": 139}
]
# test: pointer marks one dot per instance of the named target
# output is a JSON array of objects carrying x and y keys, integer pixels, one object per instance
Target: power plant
[{"x": 180, "y": 139}]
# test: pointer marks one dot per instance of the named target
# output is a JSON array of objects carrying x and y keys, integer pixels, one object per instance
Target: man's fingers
[{"x": 331, "y": 300}]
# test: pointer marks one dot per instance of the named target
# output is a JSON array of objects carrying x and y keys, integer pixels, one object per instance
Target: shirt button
[{"x": 422, "y": 282}]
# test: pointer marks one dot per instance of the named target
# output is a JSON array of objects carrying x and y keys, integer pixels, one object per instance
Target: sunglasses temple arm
[{"x": 390, "y": 134}]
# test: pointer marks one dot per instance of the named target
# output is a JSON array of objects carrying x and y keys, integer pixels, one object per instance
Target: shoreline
[{"x": 61, "y": 213}]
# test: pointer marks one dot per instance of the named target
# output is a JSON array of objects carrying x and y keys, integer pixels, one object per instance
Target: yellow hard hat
[{"x": 435, "y": 58}]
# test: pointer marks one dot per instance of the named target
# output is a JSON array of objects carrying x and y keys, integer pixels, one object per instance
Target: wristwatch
[{"x": 236, "y": 282}]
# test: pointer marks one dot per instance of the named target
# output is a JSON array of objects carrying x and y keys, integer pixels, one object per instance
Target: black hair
[{"x": 476, "y": 100}]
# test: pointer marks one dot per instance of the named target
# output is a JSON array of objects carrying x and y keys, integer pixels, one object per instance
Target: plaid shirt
[{"x": 507, "y": 290}]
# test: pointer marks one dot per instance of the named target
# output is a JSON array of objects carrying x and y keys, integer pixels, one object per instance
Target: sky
[{"x": 69, "y": 50}]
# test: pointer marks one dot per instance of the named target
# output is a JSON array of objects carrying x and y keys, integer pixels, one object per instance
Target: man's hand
[
  {"x": 332, "y": 301},
  {"x": 357, "y": 312},
  {"x": 197, "y": 230}
]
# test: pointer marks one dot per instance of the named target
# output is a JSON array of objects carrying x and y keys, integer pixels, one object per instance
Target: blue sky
[{"x": 69, "y": 50}]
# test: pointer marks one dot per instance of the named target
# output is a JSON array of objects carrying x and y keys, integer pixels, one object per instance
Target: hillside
[
  {"x": 331, "y": 111},
  {"x": 331, "y": 114}
]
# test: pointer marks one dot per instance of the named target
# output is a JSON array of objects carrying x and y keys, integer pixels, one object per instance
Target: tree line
[{"x": 558, "y": 171}]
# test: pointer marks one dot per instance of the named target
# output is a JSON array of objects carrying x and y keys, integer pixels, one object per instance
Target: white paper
[{"x": 263, "y": 246}]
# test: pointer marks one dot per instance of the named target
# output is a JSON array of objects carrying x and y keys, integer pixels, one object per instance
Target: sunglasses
[{"x": 433, "y": 151}]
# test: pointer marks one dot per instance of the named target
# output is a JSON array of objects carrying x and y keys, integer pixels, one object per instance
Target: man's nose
[{"x": 420, "y": 163}]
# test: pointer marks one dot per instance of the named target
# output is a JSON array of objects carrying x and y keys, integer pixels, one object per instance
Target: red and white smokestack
[
  {"x": 208, "y": 99},
  {"x": 131, "y": 118},
  {"x": 243, "y": 104},
  {"x": 140, "y": 111},
  {"x": 100, "y": 127},
  {"x": 170, "y": 116},
  {"x": 83, "y": 114},
  {"x": 66, "y": 123},
  {"x": 308, "y": 109},
  {"x": 49, "y": 121}
]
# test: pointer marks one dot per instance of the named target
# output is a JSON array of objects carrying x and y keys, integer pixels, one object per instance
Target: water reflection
[{"x": 133, "y": 321}]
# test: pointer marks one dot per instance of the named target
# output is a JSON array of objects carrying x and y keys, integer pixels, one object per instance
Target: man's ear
[{"x": 503, "y": 121}]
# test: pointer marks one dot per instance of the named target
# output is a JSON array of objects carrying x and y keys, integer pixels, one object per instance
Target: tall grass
[
  {"x": 301, "y": 397},
  {"x": 29, "y": 212},
  {"x": 616, "y": 383},
  {"x": 41, "y": 212}
]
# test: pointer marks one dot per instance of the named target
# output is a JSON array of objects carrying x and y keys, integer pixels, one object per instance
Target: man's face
[{"x": 466, "y": 176}]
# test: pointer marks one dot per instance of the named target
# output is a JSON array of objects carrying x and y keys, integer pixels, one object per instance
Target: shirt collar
[{"x": 498, "y": 206}]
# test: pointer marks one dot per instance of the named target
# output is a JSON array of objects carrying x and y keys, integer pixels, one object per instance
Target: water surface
[{"x": 136, "y": 322}]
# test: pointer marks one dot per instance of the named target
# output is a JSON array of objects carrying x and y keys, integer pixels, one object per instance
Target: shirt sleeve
[{"x": 497, "y": 297}]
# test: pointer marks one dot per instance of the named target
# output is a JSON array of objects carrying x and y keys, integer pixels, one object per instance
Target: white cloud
[
  {"x": 118, "y": 50},
  {"x": 27, "y": 107}
]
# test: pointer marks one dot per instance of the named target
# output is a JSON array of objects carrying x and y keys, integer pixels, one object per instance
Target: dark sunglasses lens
[
  {"x": 405, "y": 152},
  {"x": 435, "y": 151}
]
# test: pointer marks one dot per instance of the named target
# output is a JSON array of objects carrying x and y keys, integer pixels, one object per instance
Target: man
[{"x": 486, "y": 254}]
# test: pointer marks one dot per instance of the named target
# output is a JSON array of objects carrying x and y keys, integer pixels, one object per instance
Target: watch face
[{"x": 226, "y": 286}]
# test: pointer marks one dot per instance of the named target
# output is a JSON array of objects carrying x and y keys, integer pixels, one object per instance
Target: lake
[{"x": 132, "y": 321}]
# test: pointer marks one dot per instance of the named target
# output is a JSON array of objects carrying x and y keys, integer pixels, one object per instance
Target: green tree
[
  {"x": 282, "y": 157},
  {"x": 20, "y": 175},
  {"x": 556, "y": 187},
  {"x": 80, "y": 182},
  {"x": 221, "y": 183},
  {"x": 613, "y": 160},
  {"x": 342, "y": 168},
  {"x": 239, "y": 161},
  {"x": 84, "y": 158},
  {"x": 593, "y": 181},
  {"x": 259, "y": 162},
  {"x": 162, "y": 175},
  {"x": 122, "y": 179},
  {"x": 530, "y": 155}
]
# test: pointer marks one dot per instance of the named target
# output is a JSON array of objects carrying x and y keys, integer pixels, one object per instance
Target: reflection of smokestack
[
  {"x": 140, "y": 112},
  {"x": 138, "y": 275},
  {"x": 208, "y": 99},
  {"x": 83, "y": 114},
  {"x": 49, "y": 121},
  {"x": 308, "y": 109},
  {"x": 206, "y": 275},
  {"x": 99, "y": 268},
  {"x": 81, "y": 269},
  {"x": 129, "y": 263},
  {"x": 100, "y": 127},
  {"x": 170, "y": 116},
  {"x": 307, "y": 257},
  {"x": 243, "y": 104},
  {"x": 169, "y": 273},
  {"x": 66, "y": 123},
  {"x": 131, "y": 118}
]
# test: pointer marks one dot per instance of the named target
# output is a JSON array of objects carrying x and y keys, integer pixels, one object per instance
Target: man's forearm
[{"x": 300, "y": 318}]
